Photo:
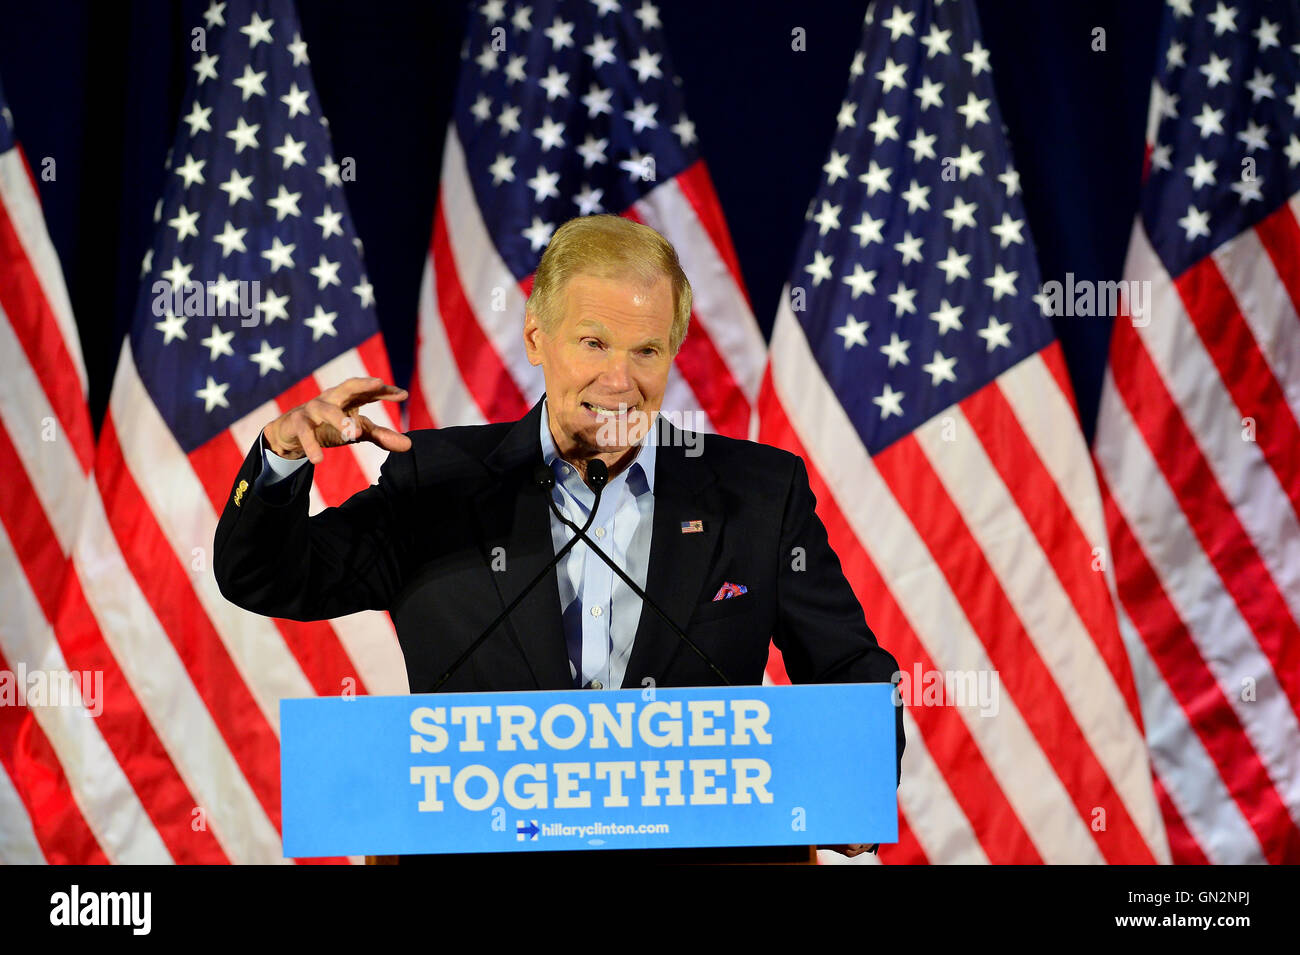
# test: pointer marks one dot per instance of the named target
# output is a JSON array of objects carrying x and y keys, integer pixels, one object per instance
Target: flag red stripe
[
  {"x": 31, "y": 763},
  {"x": 907, "y": 850},
  {"x": 1183, "y": 848},
  {"x": 697, "y": 186},
  {"x": 710, "y": 379},
  {"x": 37, "y": 329},
  {"x": 374, "y": 356},
  {"x": 1054, "y": 359},
  {"x": 955, "y": 550},
  {"x": 417, "y": 406},
  {"x": 1208, "y": 511},
  {"x": 1185, "y": 672},
  {"x": 127, "y": 731},
  {"x": 167, "y": 587},
  {"x": 775, "y": 668},
  {"x": 25, "y": 521},
  {"x": 1280, "y": 236},
  {"x": 1244, "y": 371},
  {"x": 954, "y": 750},
  {"x": 485, "y": 375},
  {"x": 1048, "y": 515}
]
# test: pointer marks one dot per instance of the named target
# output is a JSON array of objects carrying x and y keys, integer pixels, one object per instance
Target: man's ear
[{"x": 532, "y": 330}]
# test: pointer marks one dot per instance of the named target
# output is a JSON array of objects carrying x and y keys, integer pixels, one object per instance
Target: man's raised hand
[{"x": 331, "y": 420}]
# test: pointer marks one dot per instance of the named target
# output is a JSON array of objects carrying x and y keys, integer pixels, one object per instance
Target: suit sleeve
[
  {"x": 270, "y": 557},
  {"x": 821, "y": 631}
]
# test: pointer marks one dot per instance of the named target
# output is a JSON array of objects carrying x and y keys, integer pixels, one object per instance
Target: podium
[{"x": 690, "y": 775}]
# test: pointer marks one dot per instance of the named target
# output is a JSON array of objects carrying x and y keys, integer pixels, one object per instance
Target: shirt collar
[{"x": 644, "y": 462}]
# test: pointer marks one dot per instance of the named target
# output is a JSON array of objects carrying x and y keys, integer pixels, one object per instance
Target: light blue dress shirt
[{"x": 600, "y": 612}]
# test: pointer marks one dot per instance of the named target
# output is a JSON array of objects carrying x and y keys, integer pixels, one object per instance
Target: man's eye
[{"x": 591, "y": 342}]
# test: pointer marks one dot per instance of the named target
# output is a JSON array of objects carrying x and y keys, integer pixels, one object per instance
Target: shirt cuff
[{"x": 275, "y": 468}]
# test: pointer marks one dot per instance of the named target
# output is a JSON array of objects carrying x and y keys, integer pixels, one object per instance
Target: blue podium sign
[{"x": 589, "y": 769}]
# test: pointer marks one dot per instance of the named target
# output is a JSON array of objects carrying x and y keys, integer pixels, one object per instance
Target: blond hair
[{"x": 608, "y": 247}]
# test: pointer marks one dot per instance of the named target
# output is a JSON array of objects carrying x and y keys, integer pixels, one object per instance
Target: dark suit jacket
[{"x": 421, "y": 543}]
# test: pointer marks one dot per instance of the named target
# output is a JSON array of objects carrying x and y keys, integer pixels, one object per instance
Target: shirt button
[
  {"x": 596, "y": 685},
  {"x": 600, "y": 532},
  {"x": 595, "y": 611}
]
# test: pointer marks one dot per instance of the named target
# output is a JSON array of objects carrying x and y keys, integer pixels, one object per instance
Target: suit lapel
[
  {"x": 685, "y": 490},
  {"x": 513, "y": 515}
]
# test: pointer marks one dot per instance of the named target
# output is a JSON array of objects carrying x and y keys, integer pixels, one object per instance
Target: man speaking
[{"x": 466, "y": 523}]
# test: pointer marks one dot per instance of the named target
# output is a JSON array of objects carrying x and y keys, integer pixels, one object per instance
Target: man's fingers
[
  {"x": 333, "y": 419},
  {"x": 355, "y": 392},
  {"x": 386, "y": 438},
  {"x": 855, "y": 849},
  {"x": 310, "y": 446},
  {"x": 323, "y": 412}
]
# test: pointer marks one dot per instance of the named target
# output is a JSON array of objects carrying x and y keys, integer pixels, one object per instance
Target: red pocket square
[{"x": 730, "y": 590}]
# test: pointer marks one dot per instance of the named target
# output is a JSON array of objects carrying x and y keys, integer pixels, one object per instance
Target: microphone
[
  {"x": 544, "y": 480},
  {"x": 598, "y": 475}
]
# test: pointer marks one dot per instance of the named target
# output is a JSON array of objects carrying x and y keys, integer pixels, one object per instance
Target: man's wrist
[{"x": 281, "y": 452}]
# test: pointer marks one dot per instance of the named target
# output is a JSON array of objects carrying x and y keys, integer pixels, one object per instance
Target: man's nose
[{"x": 617, "y": 374}]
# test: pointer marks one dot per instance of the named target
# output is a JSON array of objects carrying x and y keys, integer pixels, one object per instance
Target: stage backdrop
[{"x": 97, "y": 88}]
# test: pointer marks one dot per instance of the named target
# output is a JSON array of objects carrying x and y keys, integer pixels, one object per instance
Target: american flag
[
  {"x": 46, "y": 449},
  {"x": 1197, "y": 443},
  {"x": 184, "y": 762},
  {"x": 913, "y": 370},
  {"x": 567, "y": 108}
]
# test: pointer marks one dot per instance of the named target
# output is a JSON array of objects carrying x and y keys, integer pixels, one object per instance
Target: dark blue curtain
[{"x": 96, "y": 86}]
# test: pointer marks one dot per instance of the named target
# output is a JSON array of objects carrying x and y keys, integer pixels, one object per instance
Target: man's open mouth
[{"x": 604, "y": 412}]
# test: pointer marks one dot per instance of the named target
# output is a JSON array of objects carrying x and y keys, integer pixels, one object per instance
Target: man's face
[{"x": 606, "y": 363}]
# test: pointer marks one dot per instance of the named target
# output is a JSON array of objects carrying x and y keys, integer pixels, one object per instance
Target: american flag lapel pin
[{"x": 692, "y": 527}]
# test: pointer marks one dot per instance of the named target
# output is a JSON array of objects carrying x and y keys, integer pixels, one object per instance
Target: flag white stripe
[
  {"x": 172, "y": 491},
  {"x": 1045, "y": 610},
  {"x": 835, "y": 449},
  {"x": 52, "y": 466},
  {"x": 1153, "y": 115},
  {"x": 1196, "y": 592},
  {"x": 1186, "y": 769},
  {"x": 679, "y": 398},
  {"x": 372, "y": 646},
  {"x": 18, "y": 845},
  {"x": 483, "y": 274},
  {"x": 162, "y": 685},
  {"x": 931, "y": 810},
  {"x": 828, "y": 857},
  {"x": 1040, "y": 407},
  {"x": 1239, "y": 466},
  {"x": 24, "y": 207},
  {"x": 102, "y": 791},
  {"x": 719, "y": 304},
  {"x": 246, "y": 430}
]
